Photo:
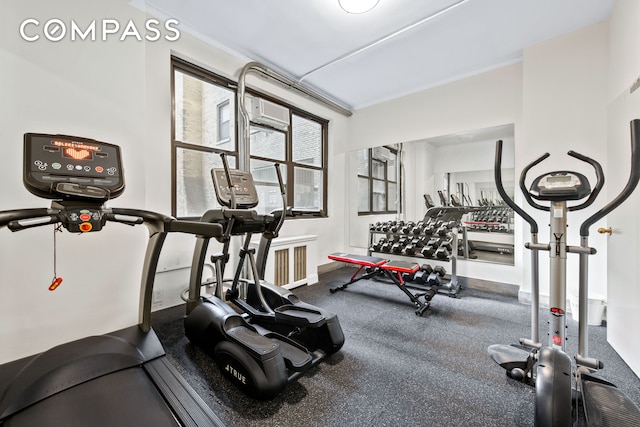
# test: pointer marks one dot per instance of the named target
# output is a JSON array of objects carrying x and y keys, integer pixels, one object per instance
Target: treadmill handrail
[{"x": 158, "y": 225}]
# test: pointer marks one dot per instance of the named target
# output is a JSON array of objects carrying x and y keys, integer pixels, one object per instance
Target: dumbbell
[
  {"x": 408, "y": 277},
  {"x": 399, "y": 245},
  {"x": 396, "y": 226},
  {"x": 386, "y": 246},
  {"x": 434, "y": 279},
  {"x": 430, "y": 248},
  {"x": 408, "y": 227},
  {"x": 444, "y": 250},
  {"x": 377, "y": 246},
  {"x": 418, "y": 228},
  {"x": 440, "y": 271},
  {"x": 413, "y": 246},
  {"x": 421, "y": 275}
]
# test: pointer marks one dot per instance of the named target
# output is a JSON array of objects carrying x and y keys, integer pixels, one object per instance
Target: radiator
[{"x": 292, "y": 261}]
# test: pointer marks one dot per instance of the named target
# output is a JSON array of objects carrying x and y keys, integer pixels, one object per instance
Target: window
[
  {"x": 204, "y": 121},
  {"x": 202, "y": 129},
  {"x": 377, "y": 182}
]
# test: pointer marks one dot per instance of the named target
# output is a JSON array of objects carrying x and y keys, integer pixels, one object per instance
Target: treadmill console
[
  {"x": 72, "y": 168},
  {"x": 244, "y": 189},
  {"x": 560, "y": 186}
]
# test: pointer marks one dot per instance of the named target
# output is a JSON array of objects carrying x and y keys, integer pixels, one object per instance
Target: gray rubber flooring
[{"x": 396, "y": 369}]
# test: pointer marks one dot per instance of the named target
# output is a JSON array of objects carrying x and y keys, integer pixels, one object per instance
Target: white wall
[
  {"x": 118, "y": 92},
  {"x": 91, "y": 89},
  {"x": 564, "y": 108}
]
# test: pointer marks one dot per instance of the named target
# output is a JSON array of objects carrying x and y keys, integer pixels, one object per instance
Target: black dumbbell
[
  {"x": 430, "y": 248},
  {"x": 422, "y": 274},
  {"x": 414, "y": 246},
  {"x": 377, "y": 246},
  {"x": 398, "y": 247},
  {"x": 444, "y": 250},
  {"x": 440, "y": 271}
]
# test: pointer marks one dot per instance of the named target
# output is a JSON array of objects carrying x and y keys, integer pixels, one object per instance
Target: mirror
[{"x": 457, "y": 170}]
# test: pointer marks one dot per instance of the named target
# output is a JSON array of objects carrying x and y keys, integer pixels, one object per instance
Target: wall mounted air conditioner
[
  {"x": 268, "y": 113},
  {"x": 382, "y": 153}
]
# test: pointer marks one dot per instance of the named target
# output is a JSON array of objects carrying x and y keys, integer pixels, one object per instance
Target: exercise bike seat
[{"x": 299, "y": 316}]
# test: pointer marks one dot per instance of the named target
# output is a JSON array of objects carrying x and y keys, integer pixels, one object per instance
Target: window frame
[
  {"x": 178, "y": 64},
  {"x": 386, "y": 180}
]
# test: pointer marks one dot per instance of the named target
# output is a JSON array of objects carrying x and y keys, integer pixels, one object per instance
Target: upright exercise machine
[
  {"x": 271, "y": 337},
  {"x": 548, "y": 367},
  {"x": 119, "y": 379}
]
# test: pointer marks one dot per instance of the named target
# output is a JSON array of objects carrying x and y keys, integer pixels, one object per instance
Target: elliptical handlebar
[
  {"x": 634, "y": 177},
  {"x": 599, "y": 180},
  {"x": 523, "y": 187},
  {"x": 497, "y": 173}
]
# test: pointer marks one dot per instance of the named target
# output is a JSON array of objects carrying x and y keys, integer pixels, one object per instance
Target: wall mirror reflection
[{"x": 446, "y": 179}]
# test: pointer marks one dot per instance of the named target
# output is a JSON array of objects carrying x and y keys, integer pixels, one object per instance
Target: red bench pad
[
  {"x": 401, "y": 266},
  {"x": 367, "y": 261}
]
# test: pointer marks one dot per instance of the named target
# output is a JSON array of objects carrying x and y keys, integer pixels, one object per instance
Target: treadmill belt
[{"x": 131, "y": 392}]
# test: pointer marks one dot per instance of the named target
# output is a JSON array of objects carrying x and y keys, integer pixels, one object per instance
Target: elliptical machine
[
  {"x": 548, "y": 367},
  {"x": 275, "y": 337}
]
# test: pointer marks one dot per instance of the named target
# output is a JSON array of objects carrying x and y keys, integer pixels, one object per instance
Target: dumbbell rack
[{"x": 451, "y": 236}]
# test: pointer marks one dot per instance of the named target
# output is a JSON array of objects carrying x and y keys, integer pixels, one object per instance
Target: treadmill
[{"x": 119, "y": 379}]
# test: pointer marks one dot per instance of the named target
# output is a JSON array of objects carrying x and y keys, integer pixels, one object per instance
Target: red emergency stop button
[
  {"x": 85, "y": 227},
  {"x": 85, "y": 217}
]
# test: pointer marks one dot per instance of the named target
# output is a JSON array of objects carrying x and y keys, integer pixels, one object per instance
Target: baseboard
[
  {"x": 330, "y": 266},
  {"x": 490, "y": 286}
]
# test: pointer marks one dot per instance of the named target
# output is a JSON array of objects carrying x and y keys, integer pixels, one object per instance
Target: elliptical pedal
[
  {"x": 606, "y": 405},
  {"x": 300, "y": 316},
  {"x": 295, "y": 357}
]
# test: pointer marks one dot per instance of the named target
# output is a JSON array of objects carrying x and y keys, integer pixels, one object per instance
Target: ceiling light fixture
[{"x": 357, "y": 6}]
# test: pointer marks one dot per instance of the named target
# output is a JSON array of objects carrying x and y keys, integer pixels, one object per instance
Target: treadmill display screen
[{"x": 57, "y": 164}]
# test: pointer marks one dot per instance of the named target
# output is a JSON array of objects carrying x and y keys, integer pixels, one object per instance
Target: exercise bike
[
  {"x": 272, "y": 337},
  {"x": 548, "y": 367}
]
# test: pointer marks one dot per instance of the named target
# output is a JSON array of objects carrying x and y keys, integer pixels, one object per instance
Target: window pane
[
  {"x": 308, "y": 189},
  {"x": 224, "y": 123},
  {"x": 363, "y": 195},
  {"x": 268, "y": 143},
  {"x": 197, "y": 112},
  {"x": 378, "y": 168},
  {"x": 194, "y": 185},
  {"x": 307, "y": 141},
  {"x": 266, "y": 180},
  {"x": 363, "y": 162},
  {"x": 391, "y": 196},
  {"x": 391, "y": 167},
  {"x": 379, "y": 196}
]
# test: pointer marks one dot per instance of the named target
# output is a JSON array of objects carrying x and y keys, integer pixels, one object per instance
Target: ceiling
[{"x": 398, "y": 48}]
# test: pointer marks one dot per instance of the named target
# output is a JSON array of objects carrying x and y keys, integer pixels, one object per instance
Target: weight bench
[{"x": 393, "y": 270}]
